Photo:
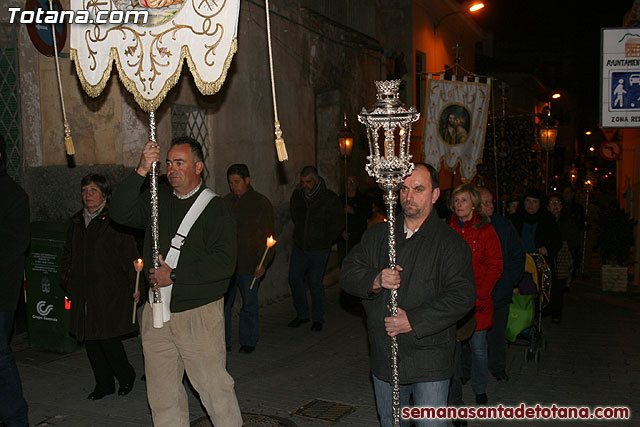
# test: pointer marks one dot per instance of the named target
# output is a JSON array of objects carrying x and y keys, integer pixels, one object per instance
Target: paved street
[{"x": 592, "y": 359}]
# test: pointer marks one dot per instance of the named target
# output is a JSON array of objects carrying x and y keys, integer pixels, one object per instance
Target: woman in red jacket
[{"x": 477, "y": 231}]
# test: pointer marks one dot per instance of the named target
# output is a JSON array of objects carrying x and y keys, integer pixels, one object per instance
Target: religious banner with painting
[
  {"x": 455, "y": 123},
  {"x": 149, "y": 40}
]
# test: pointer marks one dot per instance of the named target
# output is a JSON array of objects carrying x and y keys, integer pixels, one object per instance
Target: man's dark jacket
[
  {"x": 357, "y": 221},
  {"x": 318, "y": 220},
  {"x": 513, "y": 258},
  {"x": 437, "y": 289},
  {"x": 14, "y": 238},
  {"x": 254, "y": 219}
]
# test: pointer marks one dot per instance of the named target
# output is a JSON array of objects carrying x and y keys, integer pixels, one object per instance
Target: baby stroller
[{"x": 525, "y": 311}]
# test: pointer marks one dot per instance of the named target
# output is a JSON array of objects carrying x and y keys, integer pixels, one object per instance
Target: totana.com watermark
[{"x": 42, "y": 16}]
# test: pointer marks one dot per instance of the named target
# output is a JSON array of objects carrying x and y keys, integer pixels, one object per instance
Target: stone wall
[{"x": 322, "y": 70}]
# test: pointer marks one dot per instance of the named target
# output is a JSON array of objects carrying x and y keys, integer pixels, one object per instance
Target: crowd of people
[{"x": 458, "y": 264}]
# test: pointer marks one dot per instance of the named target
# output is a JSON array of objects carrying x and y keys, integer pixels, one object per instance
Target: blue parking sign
[{"x": 625, "y": 90}]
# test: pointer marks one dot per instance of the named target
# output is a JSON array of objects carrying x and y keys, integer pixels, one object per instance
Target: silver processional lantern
[{"x": 389, "y": 133}]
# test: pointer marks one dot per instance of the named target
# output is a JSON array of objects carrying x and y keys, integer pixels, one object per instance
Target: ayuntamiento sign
[{"x": 620, "y": 78}]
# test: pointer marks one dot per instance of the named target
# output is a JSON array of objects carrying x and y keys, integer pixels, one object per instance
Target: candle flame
[
  {"x": 138, "y": 264},
  {"x": 271, "y": 241}
]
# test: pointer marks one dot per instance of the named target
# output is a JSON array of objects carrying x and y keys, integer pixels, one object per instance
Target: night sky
[{"x": 558, "y": 41}]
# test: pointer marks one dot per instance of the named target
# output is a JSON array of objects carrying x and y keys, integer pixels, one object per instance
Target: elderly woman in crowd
[
  {"x": 564, "y": 262},
  {"x": 487, "y": 268},
  {"x": 537, "y": 227},
  {"x": 99, "y": 276}
]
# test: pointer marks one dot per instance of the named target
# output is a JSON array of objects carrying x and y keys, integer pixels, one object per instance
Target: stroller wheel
[{"x": 528, "y": 355}]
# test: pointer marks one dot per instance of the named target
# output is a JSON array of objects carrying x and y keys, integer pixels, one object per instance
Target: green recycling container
[{"x": 47, "y": 308}]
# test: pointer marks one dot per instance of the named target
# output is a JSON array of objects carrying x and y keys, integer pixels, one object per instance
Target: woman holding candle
[{"x": 98, "y": 276}]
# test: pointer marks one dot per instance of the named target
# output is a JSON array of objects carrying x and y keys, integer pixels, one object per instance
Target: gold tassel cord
[
  {"x": 281, "y": 148},
  {"x": 68, "y": 142}
]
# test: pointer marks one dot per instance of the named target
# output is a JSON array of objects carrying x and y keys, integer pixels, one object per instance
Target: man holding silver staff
[
  {"x": 434, "y": 279},
  {"x": 192, "y": 338}
]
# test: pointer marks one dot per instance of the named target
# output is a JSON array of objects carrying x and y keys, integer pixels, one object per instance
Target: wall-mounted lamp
[
  {"x": 345, "y": 142},
  {"x": 548, "y": 134},
  {"x": 345, "y": 138}
]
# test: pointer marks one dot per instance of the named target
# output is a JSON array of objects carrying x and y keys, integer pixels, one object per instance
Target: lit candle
[
  {"x": 270, "y": 242},
  {"x": 138, "y": 265}
]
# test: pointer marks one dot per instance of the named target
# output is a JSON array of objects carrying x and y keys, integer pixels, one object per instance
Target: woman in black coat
[
  {"x": 99, "y": 278},
  {"x": 537, "y": 227},
  {"x": 565, "y": 263}
]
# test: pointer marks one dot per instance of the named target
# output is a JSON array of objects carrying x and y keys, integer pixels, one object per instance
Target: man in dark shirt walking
[
  {"x": 254, "y": 218},
  {"x": 318, "y": 219}
]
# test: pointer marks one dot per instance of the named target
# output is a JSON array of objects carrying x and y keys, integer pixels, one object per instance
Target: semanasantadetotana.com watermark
[{"x": 42, "y": 16}]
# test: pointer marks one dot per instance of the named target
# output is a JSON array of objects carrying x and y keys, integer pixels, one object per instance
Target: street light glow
[
  {"x": 588, "y": 132},
  {"x": 556, "y": 96},
  {"x": 476, "y": 6},
  {"x": 592, "y": 149}
]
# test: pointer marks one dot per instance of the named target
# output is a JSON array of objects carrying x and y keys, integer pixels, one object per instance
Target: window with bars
[
  {"x": 10, "y": 122},
  {"x": 187, "y": 120}
]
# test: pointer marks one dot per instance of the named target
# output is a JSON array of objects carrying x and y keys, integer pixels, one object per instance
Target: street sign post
[{"x": 610, "y": 150}]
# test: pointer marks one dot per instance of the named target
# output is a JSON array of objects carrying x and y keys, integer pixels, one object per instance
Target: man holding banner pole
[{"x": 196, "y": 270}]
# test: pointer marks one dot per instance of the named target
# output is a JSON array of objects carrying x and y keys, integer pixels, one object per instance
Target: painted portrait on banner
[
  {"x": 454, "y": 123},
  {"x": 160, "y": 11}
]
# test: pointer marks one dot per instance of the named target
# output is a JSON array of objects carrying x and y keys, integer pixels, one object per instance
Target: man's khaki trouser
[{"x": 192, "y": 341}]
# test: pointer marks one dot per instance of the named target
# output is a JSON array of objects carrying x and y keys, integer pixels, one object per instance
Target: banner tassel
[{"x": 68, "y": 142}]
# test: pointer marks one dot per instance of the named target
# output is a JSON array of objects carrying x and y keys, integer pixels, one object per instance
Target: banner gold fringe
[{"x": 148, "y": 105}]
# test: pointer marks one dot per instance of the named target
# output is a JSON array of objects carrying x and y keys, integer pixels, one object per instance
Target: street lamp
[
  {"x": 345, "y": 138},
  {"x": 548, "y": 134},
  {"x": 471, "y": 6},
  {"x": 345, "y": 142}
]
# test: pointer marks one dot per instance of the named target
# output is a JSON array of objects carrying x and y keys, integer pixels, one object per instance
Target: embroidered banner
[
  {"x": 455, "y": 124},
  {"x": 149, "y": 56}
]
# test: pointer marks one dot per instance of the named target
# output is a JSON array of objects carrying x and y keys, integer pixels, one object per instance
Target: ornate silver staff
[
  {"x": 389, "y": 124},
  {"x": 156, "y": 303}
]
